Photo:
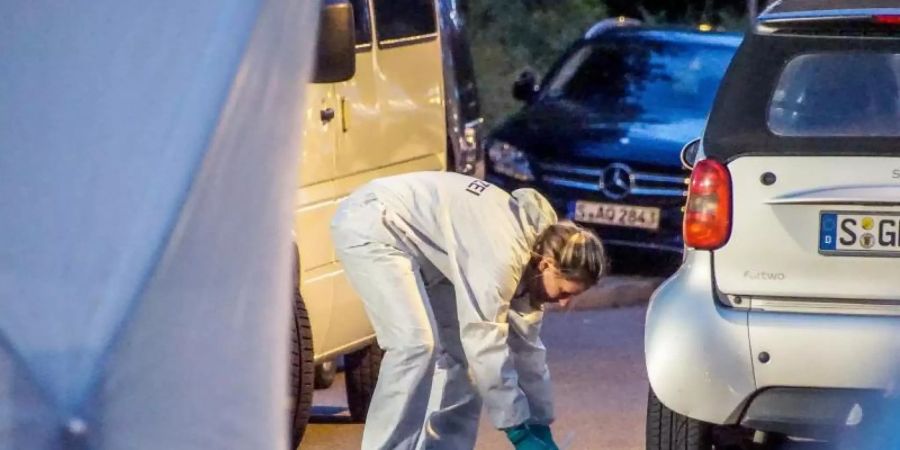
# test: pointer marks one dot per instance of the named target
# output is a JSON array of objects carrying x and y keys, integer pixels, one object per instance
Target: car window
[
  {"x": 838, "y": 94},
  {"x": 398, "y": 20},
  {"x": 362, "y": 22},
  {"x": 641, "y": 77}
]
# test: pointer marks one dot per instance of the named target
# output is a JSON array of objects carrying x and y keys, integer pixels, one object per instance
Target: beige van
[{"x": 387, "y": 118}]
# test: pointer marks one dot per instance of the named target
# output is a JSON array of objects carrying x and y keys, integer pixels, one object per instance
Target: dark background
[{"x": 508, "y": 36}]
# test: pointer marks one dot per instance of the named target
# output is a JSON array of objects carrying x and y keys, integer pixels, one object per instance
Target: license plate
[
  {"x": 859, "y": 234},
  {"x": 615, "y": 214}
]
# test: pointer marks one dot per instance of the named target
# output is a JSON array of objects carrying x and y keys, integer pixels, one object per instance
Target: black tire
[
  {"x": 302, "y": 370},
  {"x": 668, "y": 430},
  {"x": 361, "y": 371},
  {"x": 325, "y": 374}
]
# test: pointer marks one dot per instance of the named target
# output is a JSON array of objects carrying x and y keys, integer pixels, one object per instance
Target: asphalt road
[{"x": 596, "y": 360}]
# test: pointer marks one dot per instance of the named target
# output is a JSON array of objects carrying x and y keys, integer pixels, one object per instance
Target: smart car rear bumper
[
  {"x": 697, "y": 352},
  {"x": 711, "y": 362}
]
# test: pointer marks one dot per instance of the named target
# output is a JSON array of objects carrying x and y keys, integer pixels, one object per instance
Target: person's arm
[
  {"x": 530, "y": 360},
  {"x": 483, "y": 307}
]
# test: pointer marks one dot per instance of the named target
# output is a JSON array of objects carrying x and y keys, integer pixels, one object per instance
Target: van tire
[
  {"x": 302, "y": 369},
  {"x": 361, "y": 374},
  {"x": 668, "y": 430}
]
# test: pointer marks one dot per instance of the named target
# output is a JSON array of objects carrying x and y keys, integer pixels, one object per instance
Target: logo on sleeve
[{"x": 477, "y": 187}]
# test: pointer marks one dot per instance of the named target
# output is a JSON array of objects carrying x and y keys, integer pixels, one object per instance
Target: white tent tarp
[{"x": 147, "y": 156}]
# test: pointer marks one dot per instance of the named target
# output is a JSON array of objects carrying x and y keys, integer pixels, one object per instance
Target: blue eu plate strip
[{"x": 827, "y": 231}]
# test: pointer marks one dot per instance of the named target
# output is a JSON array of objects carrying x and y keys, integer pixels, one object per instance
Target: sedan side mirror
[
  {"x": 689, "y": 154},
  {"x": 525, "y": 86},
  {"x": 336, "y": 46}
]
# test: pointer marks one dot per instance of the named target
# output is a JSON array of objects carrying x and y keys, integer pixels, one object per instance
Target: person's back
[
  {"x": 476, "y": 231},
  {"x": 471, "y": 221}
]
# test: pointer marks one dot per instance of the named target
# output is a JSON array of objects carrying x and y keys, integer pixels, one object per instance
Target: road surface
[{"x": 596, "y": 359}]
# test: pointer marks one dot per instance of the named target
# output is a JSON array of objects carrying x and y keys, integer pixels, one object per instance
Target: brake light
[
  {"x": 707, "y": 215},
  {"x": 887, "y": 20}
]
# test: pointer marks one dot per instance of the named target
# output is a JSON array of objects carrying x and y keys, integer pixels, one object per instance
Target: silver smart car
[{"x": 783, "y": 322}]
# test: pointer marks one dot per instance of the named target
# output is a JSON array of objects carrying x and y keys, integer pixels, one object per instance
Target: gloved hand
[
  {"x": 523, "y": 439},
  {"x": 542, "y": 432}
]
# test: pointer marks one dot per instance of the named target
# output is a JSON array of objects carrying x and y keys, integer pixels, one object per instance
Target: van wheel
[
  {"x": 302, "y": 370},
  {"x": 325, "y": 374},
  {"x": 668, "y": 430},
  {"x": 361, "y": 374}
]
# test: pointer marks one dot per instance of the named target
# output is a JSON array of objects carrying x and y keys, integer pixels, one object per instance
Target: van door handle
[
  {"x": 345, "y": 115},
  {"x": 327, "y": 115}
]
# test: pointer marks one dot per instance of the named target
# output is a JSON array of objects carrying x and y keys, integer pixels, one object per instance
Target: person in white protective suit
[{"x": 453, "y": 272}]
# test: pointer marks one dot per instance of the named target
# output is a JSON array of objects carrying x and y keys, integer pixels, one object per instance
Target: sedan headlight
[{"x": 507, "y": 160}]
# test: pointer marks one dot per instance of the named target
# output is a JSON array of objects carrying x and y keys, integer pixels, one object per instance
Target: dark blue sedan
[{"x": 601, "y": 135}]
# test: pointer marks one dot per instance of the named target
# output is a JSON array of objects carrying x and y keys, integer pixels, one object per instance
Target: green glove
[
  {"x": 523, "y": 439},
  {"x": 542, "y": 432}
]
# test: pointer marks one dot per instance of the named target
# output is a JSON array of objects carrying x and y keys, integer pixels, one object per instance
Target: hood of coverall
[{"x": 535, "y": 212}]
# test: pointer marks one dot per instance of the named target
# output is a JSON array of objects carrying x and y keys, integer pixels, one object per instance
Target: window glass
[
  {"x": 838, "y": 94},
  {"x": 362, "y": 22},
  {"x": 636, "y": 77},
  {"x": 401, "y": 19}
]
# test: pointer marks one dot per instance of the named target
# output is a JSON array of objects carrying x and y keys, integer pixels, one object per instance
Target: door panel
[
  {"x": 317, "y": 288},
  {"x": 394, "y": 106},
  {"x": 314, "y": 207},
  {"x": 319, "y": 138},
  {"x": 361, "y": 145},
  {"x": 410, "y": 84},
  {"x": 316, "y": 174}
]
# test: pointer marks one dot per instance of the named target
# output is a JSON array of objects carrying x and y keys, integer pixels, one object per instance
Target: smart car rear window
[
  {"x": 839, "y": 94},
  {"x": 758, "y": 110}
]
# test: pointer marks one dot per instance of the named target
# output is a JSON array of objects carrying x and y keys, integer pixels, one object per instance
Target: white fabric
[
  {"x": 437, "y": 259},
  {"x": 147, "y": 154}
]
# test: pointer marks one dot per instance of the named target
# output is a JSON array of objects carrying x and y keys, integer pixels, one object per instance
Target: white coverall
[{"x": 437, "y": 258}]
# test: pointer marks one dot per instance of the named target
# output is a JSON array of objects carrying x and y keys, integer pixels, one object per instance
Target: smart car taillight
[
  {"x": 707, "y": 216},
  {"x": 887, "y": 20}
]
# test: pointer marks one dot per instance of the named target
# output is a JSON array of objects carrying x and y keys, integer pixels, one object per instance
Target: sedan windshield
[{"x": 641, "y": 77}]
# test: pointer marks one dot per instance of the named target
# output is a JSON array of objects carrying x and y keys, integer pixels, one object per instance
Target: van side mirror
[
  {"x": 336, "y": 46},
  {"x": 525, "y": 87},
  {"x": 689, "y": 154}
]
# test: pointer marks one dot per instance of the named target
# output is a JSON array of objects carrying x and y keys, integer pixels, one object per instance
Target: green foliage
[
  {"x": 513, "y": 35},
  {"x": 509, "y": 36},
  {"x": 716, "y": 12}
]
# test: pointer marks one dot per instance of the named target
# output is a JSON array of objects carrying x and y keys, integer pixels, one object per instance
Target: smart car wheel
[{"x": 668, "y": 430}]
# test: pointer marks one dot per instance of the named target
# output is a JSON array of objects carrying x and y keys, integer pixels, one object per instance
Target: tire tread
[
  {"x": 668, "y": 430},
  {"x": 302, "y": 369},
  {"x": 361, "y": 371}
]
